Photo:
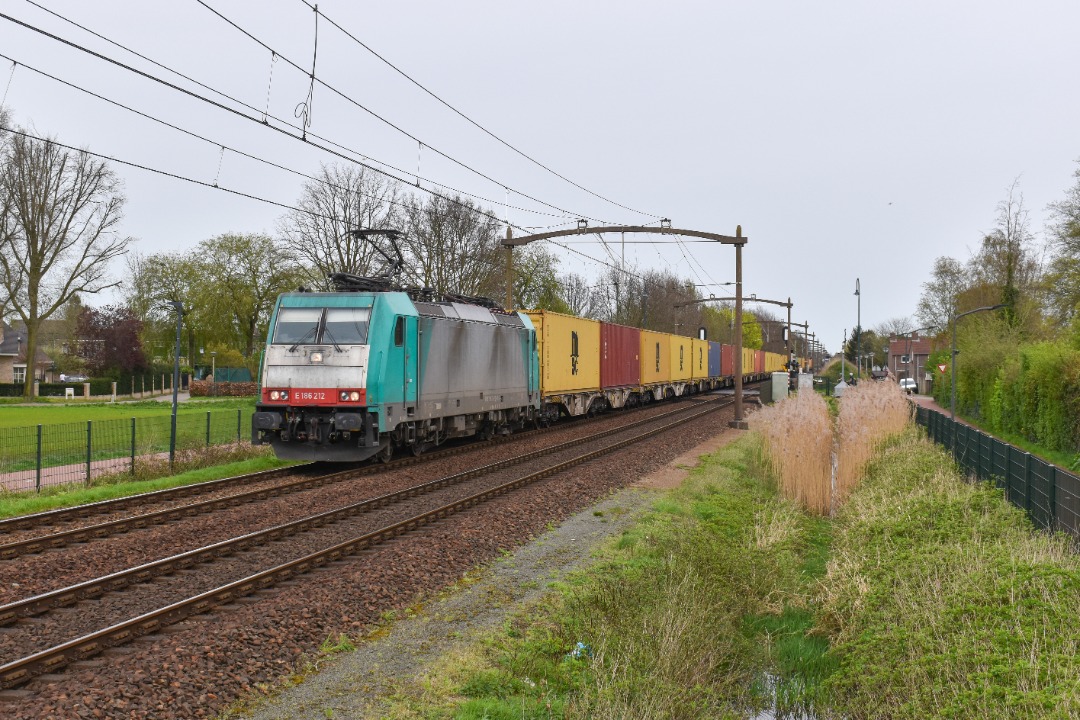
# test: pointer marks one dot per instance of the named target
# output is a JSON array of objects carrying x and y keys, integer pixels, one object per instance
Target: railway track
[
  {"x": 29, "y": 526},
  {"x": 472, "y": 488}
]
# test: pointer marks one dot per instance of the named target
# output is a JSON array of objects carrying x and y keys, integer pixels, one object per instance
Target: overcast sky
[{"x": 849, "y": 139}]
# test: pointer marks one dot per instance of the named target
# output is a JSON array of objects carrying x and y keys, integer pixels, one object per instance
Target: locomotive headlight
[
  {"x": 354, "y": 396},
  {"x": 284, "y": 395},
  {"x": 275, "y": 395},
  {"x": 344, "y": 395},
  {"x": 315, "y": 357}
]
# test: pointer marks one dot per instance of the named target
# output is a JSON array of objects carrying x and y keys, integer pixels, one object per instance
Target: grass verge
[
  {"x": 925, "y": 596},
  {"x": 212, "y": 464},
  {"x": 942, "y": 601},
  {"x": 679, "y": 619}
]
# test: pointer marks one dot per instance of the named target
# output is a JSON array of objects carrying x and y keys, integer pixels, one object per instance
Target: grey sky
[{"x": 848, "y": 139}]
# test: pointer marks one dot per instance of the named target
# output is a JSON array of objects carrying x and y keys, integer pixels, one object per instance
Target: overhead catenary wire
[
  {"x": 240, "y": 114},
  {"x": 250, "y": 156},
  {"x": 301, "y": 135},
  {"x": 468, "y": 119},
  {"x": 347, "y": 98}
]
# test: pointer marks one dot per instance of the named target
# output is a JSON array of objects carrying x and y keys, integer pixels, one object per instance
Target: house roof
[
  {"x": 13, "y": 344},
  {"x": 918, "y": 346}
]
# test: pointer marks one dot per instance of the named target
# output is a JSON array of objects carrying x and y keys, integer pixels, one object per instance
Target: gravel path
[{"x": 354, "y": 684}]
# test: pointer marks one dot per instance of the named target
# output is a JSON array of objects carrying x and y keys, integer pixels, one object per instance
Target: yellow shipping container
[
  {"x": 774, "y": 362},
  {"x": 748, "y": 358},
  {"x": 569, "y": 349},
  {"x": 655, "y": 357},
  {"x": 681, "y": 360},
  {"x": 700, "y": 364}
]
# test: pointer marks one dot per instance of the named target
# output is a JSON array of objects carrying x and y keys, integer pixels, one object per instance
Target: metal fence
[
  {"x": 37, "y": 456},
  {"x": 1050, "y": 495}
]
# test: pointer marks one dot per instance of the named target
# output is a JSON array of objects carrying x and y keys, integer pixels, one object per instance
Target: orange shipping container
[
  {"x": 569, "y": 350},
  {"x": 655, "y": 357}
]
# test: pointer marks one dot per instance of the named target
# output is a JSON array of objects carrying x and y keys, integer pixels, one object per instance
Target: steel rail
[
  {"x": 97, "y": 587},
  {"x": 21, "y": 671},
  {"x": 101, "y": 507},
  {"x": 47, "y": 517},
  {"x": 86, "y": 533}
]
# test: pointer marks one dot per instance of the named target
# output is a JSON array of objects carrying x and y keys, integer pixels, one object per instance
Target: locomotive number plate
[{"x": 310, "y": 395}]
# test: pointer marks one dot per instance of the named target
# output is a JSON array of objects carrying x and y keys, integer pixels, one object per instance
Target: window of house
[{"x": 20, "y": 374}]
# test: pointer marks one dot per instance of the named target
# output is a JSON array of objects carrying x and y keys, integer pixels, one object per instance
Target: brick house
[
  {"x": 13, "y": 364},
  {"x": 908, "y": 356}
]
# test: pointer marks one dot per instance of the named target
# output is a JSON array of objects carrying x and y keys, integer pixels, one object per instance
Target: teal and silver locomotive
[{"x": 373, "y": 369}]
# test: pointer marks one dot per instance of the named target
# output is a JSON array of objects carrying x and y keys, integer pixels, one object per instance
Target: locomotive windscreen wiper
[
  {"x": 303, "y": 337},
  {"x": 330, "y": 335}
]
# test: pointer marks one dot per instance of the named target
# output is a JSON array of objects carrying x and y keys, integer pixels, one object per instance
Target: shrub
[{"x": 206, "y": 388}]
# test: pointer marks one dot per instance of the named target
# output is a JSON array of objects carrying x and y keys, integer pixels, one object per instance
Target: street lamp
[
  {"x": 955, "y": 352},
  {"x": 858, "y": 336},
  {"x": 179, "y": 308}
]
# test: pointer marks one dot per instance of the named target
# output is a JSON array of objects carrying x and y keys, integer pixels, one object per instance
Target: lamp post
[
  {"x": 858, "y": 331},
  {"x": 179, "y": 308},
  {"x": 955, "y": 352},
  {"x": 213, "y": 372}
]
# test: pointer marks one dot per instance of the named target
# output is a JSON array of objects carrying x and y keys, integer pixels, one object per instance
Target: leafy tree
[
  {"x": 341, "y": 199},
  {"x": 938, "y": 301},
  {"x": 238, "y": 280},
  {"x": 153, "y": 282},
  {"x": 59, "y": 209},
  {"x": 536, "y": 283},
  {"x": 107, "y": 340},
  {"x": 1063, "y": 231}
]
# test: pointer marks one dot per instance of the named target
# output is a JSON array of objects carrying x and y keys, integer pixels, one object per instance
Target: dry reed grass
[
  {"x": 869, "y": 412},
  {"x": 797, "y": 448}
]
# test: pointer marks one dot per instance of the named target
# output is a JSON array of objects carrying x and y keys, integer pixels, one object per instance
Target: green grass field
[
  {"x": 64, "y": 430},
  {"x": 53, "y": 413}
]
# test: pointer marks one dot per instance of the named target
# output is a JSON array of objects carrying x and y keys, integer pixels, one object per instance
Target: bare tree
[
  {"x": 341, "y": 199},
  {"x": 1007, "y": 268},
  {"x": 58, "y": 212},
  {"x": 578, "y": 295},
  {"x": 450, "y": 246},
  {"x": 894, "y": 327}
]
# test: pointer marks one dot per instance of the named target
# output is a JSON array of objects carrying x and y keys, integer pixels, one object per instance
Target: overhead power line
[
  {"x": 241, "y": 114},
  {"x": 380, "y": 118},
  {"x": 302, "y": 135},
  {"x": 241, "y": 153},
  {"x": 468, "y": 119}
]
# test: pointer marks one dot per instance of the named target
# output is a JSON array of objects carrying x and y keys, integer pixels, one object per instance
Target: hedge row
[
  {"x": 206, "y": 388},
  {"x": 1031, "y": 390}
]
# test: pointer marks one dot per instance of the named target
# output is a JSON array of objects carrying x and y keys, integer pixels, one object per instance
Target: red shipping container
[
  {"x": 759, "y": 361},
  {"x": 619, "y": 362},
  {"x": 727, "y": 360}
]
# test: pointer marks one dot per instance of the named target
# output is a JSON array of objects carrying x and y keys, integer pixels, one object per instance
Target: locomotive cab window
[
  {"x": 346, "y": 325},
  {"x": 314, "y": 326},
  {"x": 297, "y": 325},
  {"x": 399, "y": 332}
]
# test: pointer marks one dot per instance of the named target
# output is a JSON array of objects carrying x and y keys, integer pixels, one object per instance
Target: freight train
[{"x": 368, "y": 372}]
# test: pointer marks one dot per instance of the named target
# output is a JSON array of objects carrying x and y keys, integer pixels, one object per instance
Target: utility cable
[
  {"x": 241, "y": 153},
  {"x": 386, "y": 121},
  {"x": 469, "y": 119},
  {"x": 300, "y": 130},
  {"x": 240, "y": 114}
]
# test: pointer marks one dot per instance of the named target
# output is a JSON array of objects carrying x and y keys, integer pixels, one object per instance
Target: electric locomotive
[{"x": 373, "y": 369}]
